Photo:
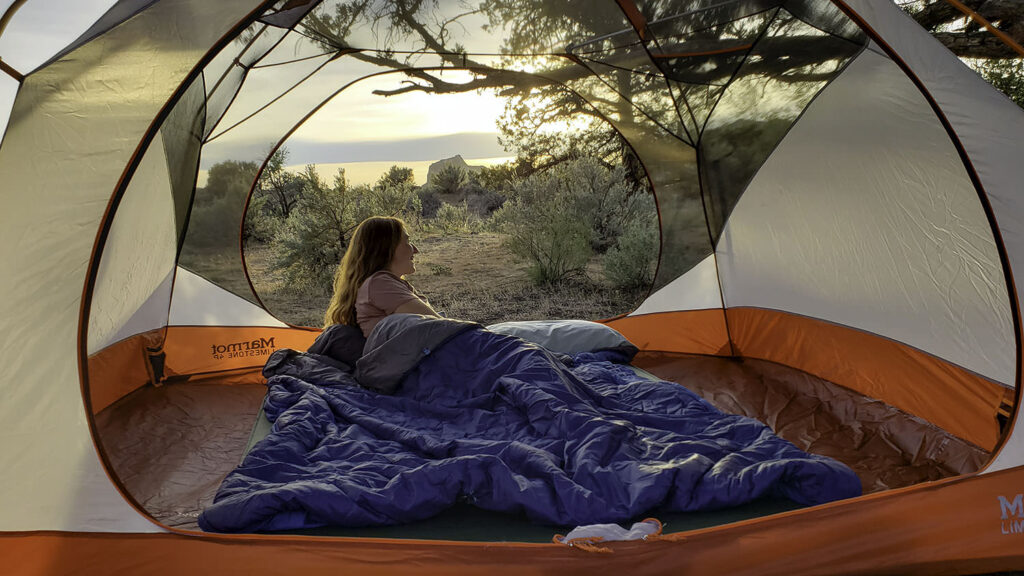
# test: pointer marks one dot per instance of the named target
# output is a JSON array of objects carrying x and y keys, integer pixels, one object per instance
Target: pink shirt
[{"x": 379, "y": 296}]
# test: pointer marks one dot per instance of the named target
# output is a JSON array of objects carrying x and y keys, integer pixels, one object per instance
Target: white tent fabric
[
  {"x": 866, "y": 182},
  {"x": 91, "y": 110},
  {"x": 199, "y": 302},
  {"x": 151, "y": 314},
  {"x": 8, "y": 90},
  {"x": 696, "y": 290},
  {"x": 138, "y": 258},
  {"x": 988, "y": 126}
]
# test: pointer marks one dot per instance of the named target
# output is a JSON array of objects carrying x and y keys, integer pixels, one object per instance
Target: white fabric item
[
  {"x": 76, "y": 125},
  {"x": 138, "y": 257},
  {"x": 565, "y": 336},
  {"x": 199, "y": 302},
  {"x": 865, "y": 216},
  {"x": 612, "y": 532},
  {"x": 695, "y": 290},
  {"x": 989, "y": 127},
  {"x": 151, "y": 315}
]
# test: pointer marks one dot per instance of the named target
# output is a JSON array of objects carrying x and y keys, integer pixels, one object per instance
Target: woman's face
[{"x": 402, "y": 262}]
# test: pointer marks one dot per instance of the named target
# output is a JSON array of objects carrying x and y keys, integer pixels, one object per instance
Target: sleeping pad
[{"x": 505, "y": 425}]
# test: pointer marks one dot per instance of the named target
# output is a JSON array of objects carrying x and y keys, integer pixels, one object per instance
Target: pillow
[
  {"x": 567, "y": 336},
  {"x": 341, "y": 342}
]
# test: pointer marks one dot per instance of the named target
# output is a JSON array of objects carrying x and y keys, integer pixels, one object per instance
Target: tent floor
[{"x": 171, "y": 446}]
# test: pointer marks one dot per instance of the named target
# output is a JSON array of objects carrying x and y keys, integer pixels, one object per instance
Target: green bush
[
  {"x": 261, "y": 221},
  {"x": 555, "y": 246},
  {"x": 452, "y": 219},
  {"x": 483, "y": 202},
  {"x": 399, "y": 200},
  {"x": 558, "y": 218},
  {"x": 603, "y": 197},
  {"x": 544, "y": 229},
  {"x": 217, "y": 209},
  {"x": 430, "y": 202},
  {"x": 449, "y": 179},
  {"x": 499, "y": 178},
  {"x": 631, "y": 263},
  {"x": 308, "y": 246}
]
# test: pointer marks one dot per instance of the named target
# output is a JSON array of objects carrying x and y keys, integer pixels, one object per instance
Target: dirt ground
[{"x": 469, "y": 276}]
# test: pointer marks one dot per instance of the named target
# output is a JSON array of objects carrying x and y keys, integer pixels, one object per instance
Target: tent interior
[{"x": 810, "y": 203}]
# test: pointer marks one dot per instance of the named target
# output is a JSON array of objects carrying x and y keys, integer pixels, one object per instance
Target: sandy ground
[{"x": 469, "y": 276}]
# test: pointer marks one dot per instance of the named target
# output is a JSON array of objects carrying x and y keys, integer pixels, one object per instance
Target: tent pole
[
  {"x": 9, "y": 14},
  {"x": 4, "y": 66}
]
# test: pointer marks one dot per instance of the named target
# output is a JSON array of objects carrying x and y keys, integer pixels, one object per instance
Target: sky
[
  {"x": 37, "y": 31},
  {"x": 355, "y": 129}
]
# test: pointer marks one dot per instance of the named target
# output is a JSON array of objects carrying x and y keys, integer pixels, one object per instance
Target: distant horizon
[{"x": 369, "y": 172}]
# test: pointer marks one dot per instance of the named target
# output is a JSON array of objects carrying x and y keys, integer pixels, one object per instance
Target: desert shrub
[
  {"x": 483, "y": 202},
  {"x": 217, "y": 209},
  {"x": 632, "y": 261},
  {"x": 279, "y": 188},
  {"x": 550, "y": 213},
  {"x": 309, "y": 244},
  {"x": 544, "y": 229},
  {"x": 441, "y": 270},
  {"x": 555, "y": 247},
  {"x": 449, "y": 179},
  {"x": 603, "y": 197},
  {"x": 430, "y": 202},
  {"x": 261, "y": 221},
  {"x": 452, "y": 219},
  {"x": 399, "y": 200},
  {"x": 397, "y": 175},
  {"x": 499, "y": 178}
]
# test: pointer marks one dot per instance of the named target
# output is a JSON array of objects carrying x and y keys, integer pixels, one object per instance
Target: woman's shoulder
[
  {"x": 385, "y": 280},
  {"x": 384, "y": 277}
]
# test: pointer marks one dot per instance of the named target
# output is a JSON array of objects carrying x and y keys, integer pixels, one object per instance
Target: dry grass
[{"x": 468, "y": 276}]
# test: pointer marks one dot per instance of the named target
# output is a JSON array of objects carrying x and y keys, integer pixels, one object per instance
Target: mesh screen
[
  {"x": 227, "y": 72},
  {"x": 263, "y": 86},
  {"x": 701, "y": 52},
  {"x": 229, "y": 166},
  {"x": 211, "y": 247},
  {"x": 293, "y": 48},
  {"x": 672, "y": 168},
  {"x": 727, "y": 80},
  {"x": 784, "y": 71},
  {"x": 636, "y": 94},
  {"x": 695, "y": 16},
  {"x": 826, "y": 17},
  {"x": 222, "y": 89},
  {"x": 182, "y": 133},
  {"x": 287, "y": 13}
]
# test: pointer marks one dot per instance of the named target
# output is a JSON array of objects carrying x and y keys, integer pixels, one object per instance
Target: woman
[{"x": 368, "y": 285}]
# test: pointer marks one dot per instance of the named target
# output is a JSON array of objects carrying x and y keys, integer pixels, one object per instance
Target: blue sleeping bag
[{"x": 505, "y": 425}]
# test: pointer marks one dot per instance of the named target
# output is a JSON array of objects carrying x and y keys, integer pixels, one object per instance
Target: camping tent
[{"x": 866, "y": 233}]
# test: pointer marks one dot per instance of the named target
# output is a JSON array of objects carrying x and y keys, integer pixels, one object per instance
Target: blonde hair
[{"x": 371, "y": 250}]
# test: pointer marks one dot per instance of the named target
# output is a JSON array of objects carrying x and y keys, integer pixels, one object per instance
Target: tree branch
[{"x": 976, "y": 45}]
